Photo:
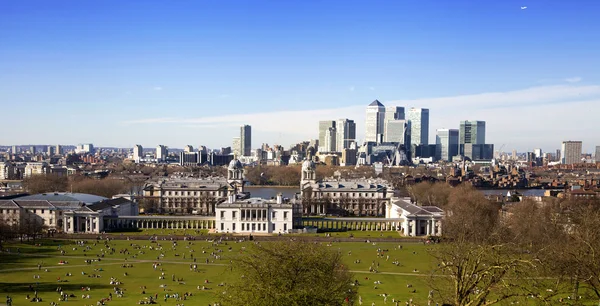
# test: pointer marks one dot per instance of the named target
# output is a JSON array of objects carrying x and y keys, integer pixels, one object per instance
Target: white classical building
[
  {"x": 257, "y": 215},
  {"x": 416, "y": 220},
  {"x": 64, "y": 212}
]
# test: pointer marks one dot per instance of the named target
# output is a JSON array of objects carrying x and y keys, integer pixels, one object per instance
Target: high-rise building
[
  {"x": 394, "y": 113},
  {"x": 236, "y": 146},
  {"x": 188, "y": 149},
  {"x": 138, "y": 153},
  {"x": 325, "y": 126},
  {"x": 330, "y": 140},
  {"x": 13, "y": 150},
  {"x": 597, "y": 154},
  {"x": 374, "y": 121},
  {"x": 419, "y": 125},
  {"x": 246, "y": 140},
  {"x": 161, "y": 153},
  {"x": 571, "y": 152},
  {"x": 32, "y": 150},
  {"x": 537, "y": 153},
  {"x": 59, "y": 150},
  {"x": 446, "y": 142},
  {"x": 51, "y": 151},
  {"x": 397, "y": 131},
  {"x": 346, "y": 134},
  {"x": 84, "y": 148},
  {"x": 472, "y": 132},
  {"x": 514, "y": 154}
]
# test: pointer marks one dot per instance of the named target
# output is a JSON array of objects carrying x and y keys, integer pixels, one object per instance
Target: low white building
[
  {"x": 257, "y": 215},
  {"x": 417, "y": 220},
  {"x": 64, "y": 212}
]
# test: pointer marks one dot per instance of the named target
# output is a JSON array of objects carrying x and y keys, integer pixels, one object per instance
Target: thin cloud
[
  {"x": 224, "y": 96},
  {"x": 372, "y": 88},
  {"x": 157, "y": 88},
  {"x": 573, "y": 80},
  {"x": 351, "y": 88}
]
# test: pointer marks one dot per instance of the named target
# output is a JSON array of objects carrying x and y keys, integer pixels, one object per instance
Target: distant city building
[
  {"x": 236, "y": 146},
  {"x": 138, "y": 153},
  {"x": 246, "y": 140},
  {"x": 419, "y": 125},
  {"x": 514, "y": 155},
  {"x": 188, "y": 149},
  {"x": 394, "y": 113},
  {"x": 398, "y": 131},
  {"x": 32, "y": 150},
  {"x": 538, "y": 153},
  {"x": 324, "y": 128},
  {"x": 330, "y": 140},
  {"x": 346, "y": 134},
  {"x": 571, "y": 152},
  {"x": 84, "y": 148},
  {"x": 14, "y": 150},
  {"x": 597, "y": 154},
  {"x": 472, "y": 132},
  {"x": 161, "y": 153},
  {"x": 51, "y": 151},
  {"x": 59, "y": 150},
  {"x": 478, "y": 151},
  {"x": 374, "y": 122},
  {"x": 446, "y": 144}
]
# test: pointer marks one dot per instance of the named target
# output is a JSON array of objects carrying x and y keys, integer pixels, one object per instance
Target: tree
[
  {"x": 40, "y": 183},
  {"x": 289, "y": 273}
]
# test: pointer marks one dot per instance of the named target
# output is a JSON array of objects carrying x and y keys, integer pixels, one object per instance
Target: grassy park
[{"x": 130, "y": 265}]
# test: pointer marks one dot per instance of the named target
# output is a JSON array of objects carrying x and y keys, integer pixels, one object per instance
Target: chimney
[{"x": 279, "y": 198}]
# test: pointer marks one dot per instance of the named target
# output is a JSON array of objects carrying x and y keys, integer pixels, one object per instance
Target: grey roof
[
  {"x": 376, "y": 103},
  {"x": 63, "y": 197},
  {"x": 108, "y": 203},
  {"x": 418, "y": 210}
]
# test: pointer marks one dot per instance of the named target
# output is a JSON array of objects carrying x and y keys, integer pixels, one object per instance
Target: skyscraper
[
  {"x": 394, "y": 113},
  {"x": 324, "y": 126},
  {"x": 188, "y": 149},
  {"x": 236, "y": 147},
  {"x": 446, "y": 142},
  {"x": 472, "y": 132},
  {"x": 538, "y": 153},
  {"x": 161, "y": 153},
  {"x": 13, "y": 150},
  {"x": 246, "y": 140},
  {"x": 59, "y": 150},
  {"x": 138, "y": 153},
  {"x": 597, "y": 155},
  {"x": 397, "y": 131},
  {"x": 571, "y": 152},
  {"x": 346, "y": 134},
  {"x": 419, "y": 125},
  {"x": 374, "y": 121},
  {"x": 330, "y": 140}
]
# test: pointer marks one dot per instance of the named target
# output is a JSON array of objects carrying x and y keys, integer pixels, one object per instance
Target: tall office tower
[
  {"x": 571, "y": 152},
  {"x": 514, "y": 154},
  {"x": 59, "y": 150},
  {"x": 84, "y": 148},
  {"x": 330, "y": 140},
  {"x": 419, "y": 125},
  {"x": 161, "y": 153},
  {"x": 51, "y": 151},
  {"x": 32, "y": 150},
  {"x": 346, "y": 134},
  {"x": 471, "y": 132},
  {"x": 246, "y": 140},
  {"x": 446, "y": 142},
  {"x": 558, "y": 155},
  {"x": 538, "y": 153},
  {"x": 597, "y": 155},
  {"x": 13, "y": 150},
  {"x": 324, "y": 126},
  {"x": 138, "y": 153},
  {"x": 374, "y": 121},
  {"x": 188, "y": 149},
  {"x": 394, "y": 113},
  {"x": 397, "y": 131},
  {"x": 236, "y": 147}
]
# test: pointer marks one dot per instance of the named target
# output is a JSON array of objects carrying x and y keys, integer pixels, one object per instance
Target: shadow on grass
[{"x": 24, "y": 288}]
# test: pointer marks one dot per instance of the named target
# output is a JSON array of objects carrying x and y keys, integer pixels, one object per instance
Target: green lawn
[{"x": 18, "y": 270}]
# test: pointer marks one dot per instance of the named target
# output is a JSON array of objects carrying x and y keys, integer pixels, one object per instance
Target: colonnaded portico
[
  {"x": 407, "y": 227},
  {"x": 159, "y": 222}
]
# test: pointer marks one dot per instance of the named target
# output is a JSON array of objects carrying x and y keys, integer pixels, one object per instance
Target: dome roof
[
  {"x": 308, "y": 165},
  {"x": 64, "y": 197},
  {"x": 235, "y": 164}
]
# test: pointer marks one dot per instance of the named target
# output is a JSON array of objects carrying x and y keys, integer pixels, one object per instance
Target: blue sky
[{"x": 117, "y": 73}]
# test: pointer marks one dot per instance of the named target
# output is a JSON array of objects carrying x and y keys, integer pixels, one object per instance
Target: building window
[
  {"x": 233, "y": 213},
  {"x": 233, "y": 227},
  {"x": 253, "y": 226},
  {"x": 273, "y": 227},
  {"x": 222, "y": 226},
  {"x": 285, "y": 215},
  {"x": 264, "y": 226},
  {"x": 273, "y": 215},
  {"x": 222, "y": 215},
  {"x": 242, "y": 226},
  {"x": 285, "y": 226},
  {"x": 42, "y": 211}
]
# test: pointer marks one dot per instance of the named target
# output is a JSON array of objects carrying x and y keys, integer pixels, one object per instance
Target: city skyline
[{"x": 119, "y": 66}]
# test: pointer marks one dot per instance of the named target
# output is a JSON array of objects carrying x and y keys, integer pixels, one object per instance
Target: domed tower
[
  {"x": 309, "y": 174},
  {"x": 235, "y": 177}
]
